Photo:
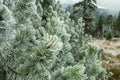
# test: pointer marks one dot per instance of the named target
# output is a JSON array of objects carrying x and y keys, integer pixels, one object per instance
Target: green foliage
[
  {"x": 109, "y": 36},
  {"x": 74, "y": 73},
  {"x": 100, "y": 27},
  {"x": 42, "y": 43},
  {"x": 116, "y": 26},
  {"x": 85, "y": 9},
  {"x": 94, "y": 63},
  {"x": 106, "y": 27}
]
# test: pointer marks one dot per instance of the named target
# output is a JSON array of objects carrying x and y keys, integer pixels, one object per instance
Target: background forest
[{"x": 105, "y": 22}]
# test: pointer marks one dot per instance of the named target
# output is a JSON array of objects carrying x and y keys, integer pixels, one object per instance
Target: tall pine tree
[
  {"x": 117, "y": 27},
  {"x": 85, "y": 9},
  {"x": 100, "y": 26}
]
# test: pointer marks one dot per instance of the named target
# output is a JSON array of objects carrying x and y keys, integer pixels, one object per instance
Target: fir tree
[
  {"x": 117, "y": 28},
  {"x": 100, "y": 28},
  {"x": 85, "y": 9},
  {"x": 109, "y": 27}
]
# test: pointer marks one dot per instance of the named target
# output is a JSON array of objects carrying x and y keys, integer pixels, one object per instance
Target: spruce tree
[
  {"x": 85, "y": 9},
  {"x": 109, "y": 27},
  {"x": 100, "y": 26},
  {"x": 40, "y": 42},
  {"x": 117, "y": 28}
]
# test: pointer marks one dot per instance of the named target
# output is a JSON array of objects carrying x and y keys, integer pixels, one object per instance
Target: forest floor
[{"x": 110, "y": 56}]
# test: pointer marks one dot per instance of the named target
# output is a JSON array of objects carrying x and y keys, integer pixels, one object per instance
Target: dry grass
[
  {"x": 112, "y": 47},
  {"x": 111, "y": 55}
]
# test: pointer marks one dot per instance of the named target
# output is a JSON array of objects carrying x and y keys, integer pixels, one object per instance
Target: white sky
[{"x": 110, "y": 4}]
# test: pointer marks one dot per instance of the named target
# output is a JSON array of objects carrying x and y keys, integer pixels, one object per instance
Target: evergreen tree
[
  {"x": 40, "y": 42},
  {"x": 117, "y": 27},
  {"x": 100, "y": 26},
  {"x": 85, "y": 9},
  {"x": 109, "y": 27},
  {"x": 109, "y": 21}
]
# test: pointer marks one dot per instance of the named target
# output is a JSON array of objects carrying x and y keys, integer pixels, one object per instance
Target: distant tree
[
  {"x": 109, "y": 35},
  {"x": 108, "y": 27},
  {"x": 101, "y": 23},
  {"x": 115, "y": 31},
  {"x": 117, "y": 27},
  {"x": 110, "y": 21},
  {"x": 85, "y": 9}
]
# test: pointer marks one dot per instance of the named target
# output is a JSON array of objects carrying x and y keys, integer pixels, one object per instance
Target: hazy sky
[{"x": 109, "y": 4}]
